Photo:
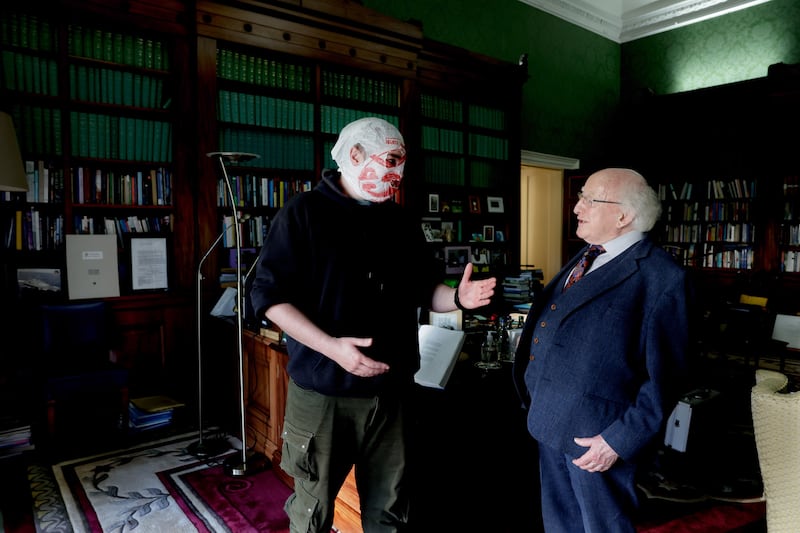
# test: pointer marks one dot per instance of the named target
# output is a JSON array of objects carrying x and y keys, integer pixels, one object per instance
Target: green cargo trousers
[{"x": 323, "y": 437}]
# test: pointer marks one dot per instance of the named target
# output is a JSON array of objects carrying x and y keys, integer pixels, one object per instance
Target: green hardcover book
[
  {"x": 113, "y": 137},
  {"x": 58, "y": 146},
  {"x": 139, "y": 136},
  {"x": 33, "y": 32},
  {"x": 156, "y": 142},
  {"x": 52, "y": 78},
  {"x": 47, "y": 130},
  {"x": 106, "y": 92},
  {"x": 19, "y": 69},
  {"x": 149, "y": 51},
  {"x": 119, "y": 49},
  {"x": 224, "y": 106},
  {"x": 128, "y": 50},
  {"x": 158, "y": 55},
  {"x": 9, "y": 72},
  {"x": 117, "y": 86},
  {"x": 235, "y": 106},
  {"x": 136, "y": 89},
  {"x": 83, "y": 135},
  {"x": 166, "y": 141},
  {"x": 145, "y": 91},
  {"x": 127, "y": 88},
  {"x": 130, "y": 147},
  {"x": 36, "y": 72},
  {"x": 75, "y": 39},
  {"x": 22, "y": 30},
  {"x": 27, "y": 73},
  {"x": 138, "y": 51},
  {"x": 97, "y": 42},
  {"x": 88, "y": 42},
  {"x": 108, "y": 46},
  {"x": 122, "y": 138},
  {"x": 46, "y": 41},
  {"x": 93, "y": 135}
]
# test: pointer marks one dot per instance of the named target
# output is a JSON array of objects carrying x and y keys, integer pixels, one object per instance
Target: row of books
[
  {"x": 259, "y": 191},
  {"x": 715, "y": 189},
  {"x": 438, "y": 108},
  {"x": 32, "y": 230},
  {"x": 113, "y": 137},
  {"x": 265, "y": 111},
  {"x": 361, "y": 88},
  {"x": 45, "y": 182},
  {"x": 442, "y": 139},
  {"x": 38, "y": 129},
  {"x": 276, "y": 149},
  {"x": 238, "y": 66},
  {"x": 334, "y": 118},
  {"x": 122, "y": 225},
  {"x": 27, "y": 30},
  {"x": 106, "y": 86},
  {"x": 148, "y": 186},
  {"x": 252, "y": 232},
  {"x": 122, "y": 48},
  {"x": 30, "y": 74}
]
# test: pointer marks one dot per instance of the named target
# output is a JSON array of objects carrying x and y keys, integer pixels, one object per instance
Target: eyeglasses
[{"x": 591, "y": 201}]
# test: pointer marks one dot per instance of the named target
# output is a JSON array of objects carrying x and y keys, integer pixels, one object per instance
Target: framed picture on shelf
[
  {"x": 147, "y": 266},
  {"x": 433, "y": 203},
  {"x": 488, "y": 234},
  {"x": 474, "y": 204},
  {"x": 494, "y": 204},
  {"x": 499, "y": 236},
  {"x": 456, "y": 258}
]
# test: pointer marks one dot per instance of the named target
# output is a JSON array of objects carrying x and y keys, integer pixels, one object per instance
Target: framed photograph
[
  {"x": 474, "y": 204},
  {"x": 499, "y": 236},
  {"x": 433, "y": 203},
  {"x": 39, "y": 279},
  {"x": 456, "y": 258},
  {"x": 488, "y": 234},
  {"x": 494, "y": 204}
]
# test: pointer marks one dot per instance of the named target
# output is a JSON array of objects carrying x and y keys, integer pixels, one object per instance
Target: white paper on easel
[{"x": 439, "y": 349}]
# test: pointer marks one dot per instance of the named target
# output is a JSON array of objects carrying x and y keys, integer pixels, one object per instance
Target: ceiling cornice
[{"x": 649, "y": 19}]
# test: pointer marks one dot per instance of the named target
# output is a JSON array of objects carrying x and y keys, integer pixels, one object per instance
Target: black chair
[{"x": 83, "y": 384}]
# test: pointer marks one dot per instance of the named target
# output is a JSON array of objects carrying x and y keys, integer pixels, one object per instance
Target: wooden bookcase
[
  {"x": 94, "y": 97},
  {"x": 725, "y": 161}
]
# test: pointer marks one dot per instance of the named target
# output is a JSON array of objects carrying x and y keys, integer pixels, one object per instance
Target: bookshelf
[
  {"x": 93, "y": 97},
  {"x": 710, "y": 224}
]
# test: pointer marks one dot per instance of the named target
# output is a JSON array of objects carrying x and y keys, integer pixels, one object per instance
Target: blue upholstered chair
[{"x": 78, "y": 368}]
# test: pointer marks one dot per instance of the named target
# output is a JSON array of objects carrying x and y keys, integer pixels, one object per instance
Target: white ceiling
[{"x": 628, "y": 20}]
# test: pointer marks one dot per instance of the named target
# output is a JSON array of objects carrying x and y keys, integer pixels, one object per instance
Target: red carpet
[
  {"x": 252, "y": 503},
  {"x": 720, "y": 518}
]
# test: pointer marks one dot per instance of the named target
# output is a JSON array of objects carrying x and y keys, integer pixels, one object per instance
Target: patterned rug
[{"x": 156, "y": 487}]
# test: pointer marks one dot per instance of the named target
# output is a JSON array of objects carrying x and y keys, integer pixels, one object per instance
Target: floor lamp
[
  {"x": 214, "y": 446},
  {"x": 249, "y": 461}
]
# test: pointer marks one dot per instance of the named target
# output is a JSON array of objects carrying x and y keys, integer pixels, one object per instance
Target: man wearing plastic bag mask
[
  {"x": 371, "y": 156},
  {"x": 342, "y": 272}
]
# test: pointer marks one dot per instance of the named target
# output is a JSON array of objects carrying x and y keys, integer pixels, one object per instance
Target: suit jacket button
[
  {"x": 543, "y": 324},
  {"x": 552, "y": 307},
  {"x": 532, "y": 357},
  {"x": 536, "y": 340}
]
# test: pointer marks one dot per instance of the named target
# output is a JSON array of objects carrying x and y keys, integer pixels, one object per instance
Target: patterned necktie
[{"x": 588, "y": 256}]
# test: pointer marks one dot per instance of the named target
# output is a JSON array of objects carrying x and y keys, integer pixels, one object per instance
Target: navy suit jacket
[{"x": 608, "y": 355}]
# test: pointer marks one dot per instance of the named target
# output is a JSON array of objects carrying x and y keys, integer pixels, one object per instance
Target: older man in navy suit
[{"x": 601, "y": 360}]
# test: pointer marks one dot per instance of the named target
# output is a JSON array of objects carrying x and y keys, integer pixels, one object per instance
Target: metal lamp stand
[
  {"x": 249, "y": 461},
  {"x": 212, "y": 446}
]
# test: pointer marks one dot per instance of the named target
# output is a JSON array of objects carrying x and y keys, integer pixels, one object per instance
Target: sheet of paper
[{"x": 439, "y": 349}]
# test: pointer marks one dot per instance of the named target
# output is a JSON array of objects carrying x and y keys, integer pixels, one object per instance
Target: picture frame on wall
[
  {"x": 494, "y": 204},
  {"x": 475, "y": 205},
  {"x": 488, "y": 234},
  {"x": 433, "y": 203}
]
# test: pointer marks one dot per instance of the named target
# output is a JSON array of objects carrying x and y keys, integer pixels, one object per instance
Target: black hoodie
[{"x": 355, "y": 269}]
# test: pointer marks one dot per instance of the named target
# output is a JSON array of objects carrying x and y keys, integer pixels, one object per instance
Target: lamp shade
[{"x": 12, "y": 172}]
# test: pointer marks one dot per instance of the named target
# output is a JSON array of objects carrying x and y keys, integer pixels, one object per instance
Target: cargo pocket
[
  {"x": 303, "y": 510},
  {"x": 296, "y": 459}
]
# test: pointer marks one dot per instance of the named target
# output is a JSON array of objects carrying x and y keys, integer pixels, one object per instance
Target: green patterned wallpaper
[
  {"x": 576, "y": 78},
  {"x": 734, "y": 47}
]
